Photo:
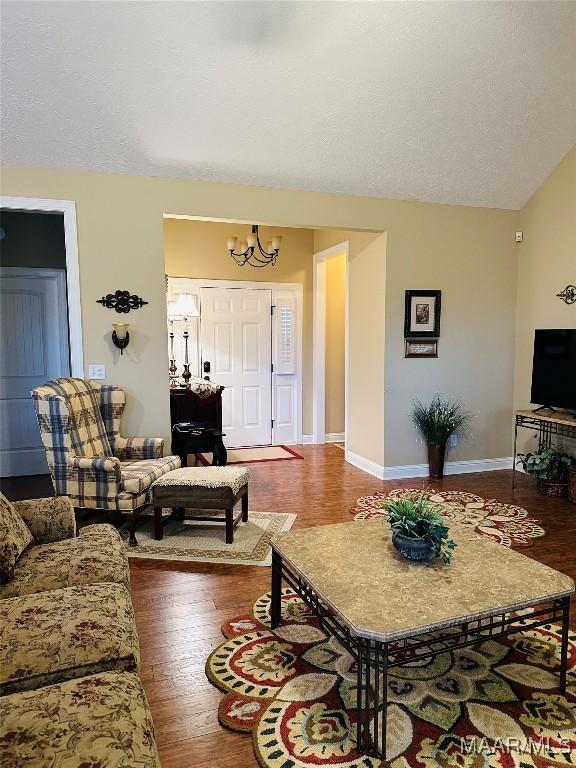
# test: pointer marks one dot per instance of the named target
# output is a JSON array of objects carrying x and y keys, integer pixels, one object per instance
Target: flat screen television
[{"x": 554, "y": 368}]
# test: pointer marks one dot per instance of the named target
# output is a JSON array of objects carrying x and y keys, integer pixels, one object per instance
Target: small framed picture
[
  {"x": 422, "y": 314},
  {"x": 421, "y": 348}
]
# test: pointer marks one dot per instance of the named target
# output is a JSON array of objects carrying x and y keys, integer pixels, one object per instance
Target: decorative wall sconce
[
  {"x": 568, "y": 294},
  {"x": 120, "y": 336}
]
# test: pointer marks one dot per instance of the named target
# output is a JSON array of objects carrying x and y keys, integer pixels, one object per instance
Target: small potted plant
[
  {"x": 437, "y": 421},
  {"x": 550, "y": 466},
  {"x": 419, "y": 531}
]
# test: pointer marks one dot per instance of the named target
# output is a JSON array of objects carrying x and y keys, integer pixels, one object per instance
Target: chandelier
[{"x": 250, "y": 251}]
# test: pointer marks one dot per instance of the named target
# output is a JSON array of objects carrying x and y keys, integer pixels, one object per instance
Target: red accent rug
[
  {"x": 505, "y": 523},
  {"x": 256, "y": 455},
  {"x": 294, "y": 690}
]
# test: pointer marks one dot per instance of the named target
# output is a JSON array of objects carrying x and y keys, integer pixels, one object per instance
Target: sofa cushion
[
  {"x": 88, "y": 435},
  {"x": 96, "y": 555},
  {"x": 53, "y": 636},
  {"x": 50, "y": 519},
  {"x": 15, "y": 536},
  {"x": 96, "y": 721},
  {"x": 137, "y": 476}
]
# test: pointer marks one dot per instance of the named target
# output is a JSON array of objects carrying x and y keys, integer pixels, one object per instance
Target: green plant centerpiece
[
  {"x": 419, "y": 531},
  {"x": 550, "y": 466},
  {"x": 437, "y": 422}
]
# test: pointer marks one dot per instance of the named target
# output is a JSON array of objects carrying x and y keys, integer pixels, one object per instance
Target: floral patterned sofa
[
  {"x": 49, "y": 553},
  {"x": 69, "y": 692}
]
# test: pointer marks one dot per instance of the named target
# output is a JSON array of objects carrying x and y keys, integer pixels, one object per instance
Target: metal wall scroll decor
[
  {"x": 121, "y": 301},
  {"x": 568, "y": 294}
]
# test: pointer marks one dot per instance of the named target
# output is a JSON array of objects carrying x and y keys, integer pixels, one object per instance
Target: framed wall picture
[
  {"x": 422, "y": 314},
  {"x": 420, "y": 348}
]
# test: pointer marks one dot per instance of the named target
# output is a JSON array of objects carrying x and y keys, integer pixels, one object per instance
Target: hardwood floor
[{"x": 181, "y": 606}]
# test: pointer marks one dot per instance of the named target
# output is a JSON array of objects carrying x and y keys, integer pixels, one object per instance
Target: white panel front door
[
  {"x": 33, "y": 349},
  {"x": 235, "y": 339}
]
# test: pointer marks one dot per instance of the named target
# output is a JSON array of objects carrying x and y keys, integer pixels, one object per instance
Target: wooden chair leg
[
  {"x": 229, "y": 526},
  {"x": 158, "y": 524},
  {"x": 132, "y": 541},
  {"x": 245, "y": 507},
  {"x": 116, "y": 517}
]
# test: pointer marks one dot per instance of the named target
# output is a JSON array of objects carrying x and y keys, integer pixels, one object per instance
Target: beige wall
[
  {"x": 547, "y": 263},
  {"x": 198, "y": 249},
  {"x": 470, "y": 255},
  {"x": 366, "y": 293},
  {"x": 335, "y": 342},
  {"x": 465, "y": 251}
]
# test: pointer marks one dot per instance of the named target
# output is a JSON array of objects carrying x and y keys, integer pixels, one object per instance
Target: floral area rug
[
  {"x": 505, "y": 523},
  {"x": 294, "y": 690}
]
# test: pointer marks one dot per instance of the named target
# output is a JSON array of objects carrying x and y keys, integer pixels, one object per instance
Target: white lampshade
[
  {"x": 243, "y": 246},
  {"x": 232, "y": 242},
  {"x": 277, "y": 242},
  {"x": 252, "y": 240},
  {"x": 172, "y": 310},
  {"x": 186, "y": 306}
]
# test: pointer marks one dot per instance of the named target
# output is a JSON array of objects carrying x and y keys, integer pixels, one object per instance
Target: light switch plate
[{"x": 96, "y": 371}]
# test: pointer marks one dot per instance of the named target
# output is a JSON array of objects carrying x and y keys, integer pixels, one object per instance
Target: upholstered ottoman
[
  {"x": 203, "y": 489},
  {"x": 100, "y": 720},
  {"x": 48, "y": 637}
]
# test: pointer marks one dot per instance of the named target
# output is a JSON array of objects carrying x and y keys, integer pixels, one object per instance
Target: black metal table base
[{"x": 374, "y": 658}]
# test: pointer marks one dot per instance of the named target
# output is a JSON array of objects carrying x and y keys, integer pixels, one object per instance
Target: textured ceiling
[{"x": 455, "y": 102}]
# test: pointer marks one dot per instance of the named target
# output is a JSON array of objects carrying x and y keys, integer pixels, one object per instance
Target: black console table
[{"x": 548, "y": 424}]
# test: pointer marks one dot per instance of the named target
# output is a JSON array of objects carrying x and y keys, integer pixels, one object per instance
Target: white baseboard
[
  {"x": 451, "y": 468},
  {"x": 377, "y": 470},
  {"x": 421, "y": 470},
  {"x": 330, "y": 437}
]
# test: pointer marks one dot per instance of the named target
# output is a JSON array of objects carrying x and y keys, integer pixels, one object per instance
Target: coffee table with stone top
[
  {"x": 198, "y": 489},
  {"x": 387, "y": 611}
]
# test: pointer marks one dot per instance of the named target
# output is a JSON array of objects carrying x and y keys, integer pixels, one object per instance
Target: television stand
[
  {"x": 557, "y": 423},
  {"x": 545, "y": 408}
]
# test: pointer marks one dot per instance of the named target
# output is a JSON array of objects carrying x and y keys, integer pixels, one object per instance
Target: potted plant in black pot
[
  {"x": 437, "y": 421},
  {"x": 550, "y": 466},
  {"x": 419, "y": 532}
]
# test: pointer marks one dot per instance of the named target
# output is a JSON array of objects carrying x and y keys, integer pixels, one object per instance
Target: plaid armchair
[{"x": 88, "y": 459}]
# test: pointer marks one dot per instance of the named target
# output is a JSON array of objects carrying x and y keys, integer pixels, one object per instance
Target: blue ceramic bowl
[{"x": 413, "y": 549}]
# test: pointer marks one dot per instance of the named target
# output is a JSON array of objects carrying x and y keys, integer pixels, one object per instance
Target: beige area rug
[
  {"x": 253, "y": 455},
  {"x": 204, "y": 542}
]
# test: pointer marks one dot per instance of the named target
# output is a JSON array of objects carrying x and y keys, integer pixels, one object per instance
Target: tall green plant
[{"x": 440, "y": 419}]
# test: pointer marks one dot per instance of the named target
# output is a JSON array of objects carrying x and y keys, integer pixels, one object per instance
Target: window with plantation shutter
[{"x": 285, "y": 327}]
